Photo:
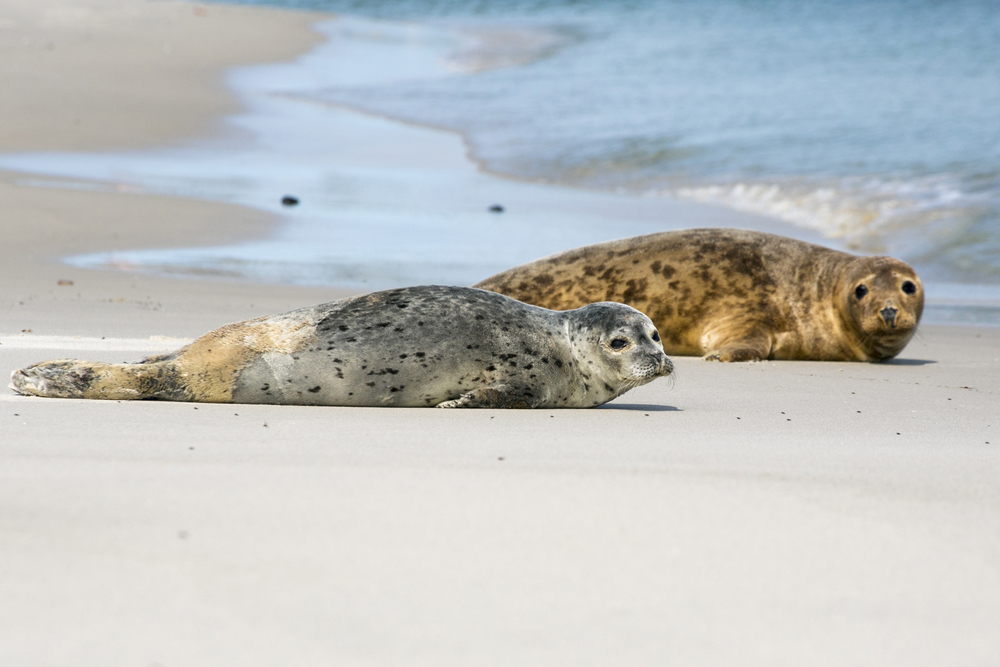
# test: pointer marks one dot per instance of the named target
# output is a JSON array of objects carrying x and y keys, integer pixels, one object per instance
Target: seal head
[
  {"x": 619, "y": 345},
  {"x": 880, "y": 300}
]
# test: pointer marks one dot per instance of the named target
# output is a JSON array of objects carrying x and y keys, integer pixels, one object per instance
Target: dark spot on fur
[
  {"x": 314, "y": 389},
  {"x": 543, "y": 280}
]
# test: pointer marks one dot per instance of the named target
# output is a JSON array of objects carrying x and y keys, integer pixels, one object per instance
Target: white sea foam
[
  {"x": 485, "y": 48},
  {"x": 864, "y": 214}
]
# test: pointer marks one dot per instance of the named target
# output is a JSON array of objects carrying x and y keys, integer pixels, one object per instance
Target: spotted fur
[
  {"x": 409, "y": 347},
  {"x": 736, "y": 295}
]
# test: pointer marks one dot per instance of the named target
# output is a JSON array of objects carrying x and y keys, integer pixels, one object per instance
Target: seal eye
[
  {"x": 860, "y": 291},
  {"x": 618, "y": 343},
  {"x": 909, "y": 288},
  {"x": 656, "y": 336}
]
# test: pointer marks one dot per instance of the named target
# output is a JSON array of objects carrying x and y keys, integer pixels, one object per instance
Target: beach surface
[{"x": 760, "y": 514}]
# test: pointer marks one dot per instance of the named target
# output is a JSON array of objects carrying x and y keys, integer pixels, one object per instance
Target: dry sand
[{"x": 755, "y": 514}]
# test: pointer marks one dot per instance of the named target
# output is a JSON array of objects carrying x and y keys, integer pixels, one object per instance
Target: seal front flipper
[{"x": 497, "y": 396}]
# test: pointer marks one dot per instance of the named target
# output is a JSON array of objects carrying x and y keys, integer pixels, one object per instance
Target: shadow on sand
[
  {"x": 640, "y": 407},
  {"x": 910, "y": 362}
]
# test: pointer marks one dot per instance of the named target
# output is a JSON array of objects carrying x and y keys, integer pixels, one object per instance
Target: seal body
[
  {"x": 736, "y": 295},
  {"x": 410, "y": 347}
]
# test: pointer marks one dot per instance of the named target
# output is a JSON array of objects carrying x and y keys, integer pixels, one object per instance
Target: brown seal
[
  {"x": 736, "y": 295},
  {"x": 409, "y": 347}
]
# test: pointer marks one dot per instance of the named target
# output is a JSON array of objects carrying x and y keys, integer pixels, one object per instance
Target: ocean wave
[
  {"x": 866, "y": 214},
  {"x": 485, "y": 48}
]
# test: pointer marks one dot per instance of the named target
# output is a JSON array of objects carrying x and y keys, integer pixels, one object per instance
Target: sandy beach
[{"x": 775, "y": 513}]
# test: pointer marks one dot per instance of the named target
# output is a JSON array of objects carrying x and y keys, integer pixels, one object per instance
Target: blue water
[{"x": 873, "y": 123}]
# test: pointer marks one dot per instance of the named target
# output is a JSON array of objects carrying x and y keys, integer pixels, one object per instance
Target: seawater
[
  {"x": 871, "y": 125},
  {"x": 876, "y": 123}
]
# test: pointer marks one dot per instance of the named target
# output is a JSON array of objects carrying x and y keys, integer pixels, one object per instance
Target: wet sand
[{"x": 770, "y": 513}]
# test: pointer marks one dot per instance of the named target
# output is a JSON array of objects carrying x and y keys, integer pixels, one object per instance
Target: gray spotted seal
[
  {"x": 409, "y": 347},
  {"x": 735, "y": 295}
]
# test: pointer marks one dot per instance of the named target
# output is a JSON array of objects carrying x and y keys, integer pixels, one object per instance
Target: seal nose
[
  {"x": 889, "y": 315},
  {"x": 666, "y": 366}
]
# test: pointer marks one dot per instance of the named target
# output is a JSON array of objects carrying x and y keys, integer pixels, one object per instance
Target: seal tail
[{"x": 71, "y": 378}]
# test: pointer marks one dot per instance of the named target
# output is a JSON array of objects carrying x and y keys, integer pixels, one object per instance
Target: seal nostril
[{"x": 889, "y": 315}]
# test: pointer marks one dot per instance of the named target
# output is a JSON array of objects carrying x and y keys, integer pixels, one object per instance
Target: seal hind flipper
[{"x": 72, "y": 378}]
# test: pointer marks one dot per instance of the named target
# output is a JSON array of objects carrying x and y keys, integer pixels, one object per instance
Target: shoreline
[
  {"x": 815, "y": 513},
  {"x": 155, "y": 76},
  {"x": 413, "y": 189},
  {"x": 424, "y": 220},
  {"x": 45, "y": 225}
]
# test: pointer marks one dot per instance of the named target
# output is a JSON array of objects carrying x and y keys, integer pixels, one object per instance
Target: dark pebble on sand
[
  {"x": 496, "y": 208},
  {"x": 289, "y": 200}
]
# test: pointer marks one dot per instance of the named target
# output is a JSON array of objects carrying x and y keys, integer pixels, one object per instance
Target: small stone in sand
[
  {"x": 289, "y": 200},
  {"x": 496, "y": 208}
]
